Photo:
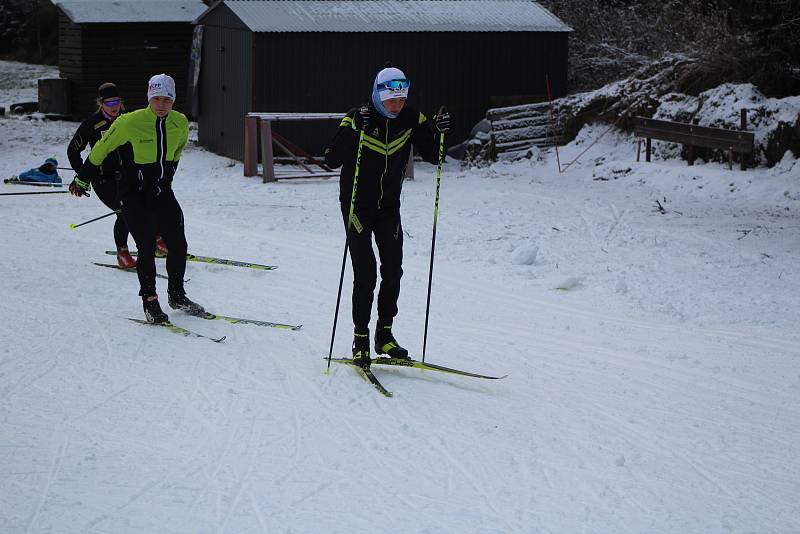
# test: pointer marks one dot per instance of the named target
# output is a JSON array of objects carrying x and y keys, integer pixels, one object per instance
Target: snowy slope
[{"x": 657, "y": 391}]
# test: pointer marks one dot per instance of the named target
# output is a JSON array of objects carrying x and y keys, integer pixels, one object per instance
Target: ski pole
[
  {"x": 115, "y": 212},
  {"x": 40, "y": 184},
  {"x": 346, "y": 241},
  {"x": 433, "y": 240},
  {"x": 35, "y": 193}
]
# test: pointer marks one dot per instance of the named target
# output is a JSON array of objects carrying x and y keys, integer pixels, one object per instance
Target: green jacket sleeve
[
  {"x": 183, "y": 137},
  {"x": 115, "y": 138}
]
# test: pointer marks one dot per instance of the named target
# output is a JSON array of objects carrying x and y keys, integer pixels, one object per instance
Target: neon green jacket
[{"x": 150, "y": 148}]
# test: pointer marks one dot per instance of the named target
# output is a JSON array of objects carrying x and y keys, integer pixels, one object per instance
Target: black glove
[
  {"x": 441, "y": 121},
  {"x": 79, "y": 188},
  {"x": 363, "y": 117}
]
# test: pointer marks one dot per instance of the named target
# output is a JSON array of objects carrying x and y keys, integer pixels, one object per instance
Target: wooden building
[
  {"x": 124, "y": 42},
  {"x": 322, "y": 56}
]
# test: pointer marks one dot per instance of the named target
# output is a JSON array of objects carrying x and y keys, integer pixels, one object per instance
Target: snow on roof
[
  {"x": 100, "y": 11},
  {"x": 395, "y": 15}
]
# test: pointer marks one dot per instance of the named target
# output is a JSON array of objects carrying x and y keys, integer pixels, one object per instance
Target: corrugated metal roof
[
  {"x": 395, "y": 16},
  {"x": 99, "y": 11}
]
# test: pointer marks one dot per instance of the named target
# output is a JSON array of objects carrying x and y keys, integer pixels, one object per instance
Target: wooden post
[
  {"x": 250, "y": 146},
  {"x": 743, "y": 124},
  {"x": 691, "y": 155},
  {"x": 647, "y": 150},
  {"x": 267, "y": 159},
  {"x": 410, "y": 166},
  {"x": 638, "y": 149}
]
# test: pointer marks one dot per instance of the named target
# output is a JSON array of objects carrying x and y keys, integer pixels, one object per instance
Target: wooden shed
[
  {"x": 125, "y": 43},
  {"x": 322, "y": 56}
]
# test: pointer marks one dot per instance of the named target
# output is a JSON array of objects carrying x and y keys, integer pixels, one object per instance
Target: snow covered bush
[
  {"x": 653, "y": 91},
  {"x": 775, "y": 122}
]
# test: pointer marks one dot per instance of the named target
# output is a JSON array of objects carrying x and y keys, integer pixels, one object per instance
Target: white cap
[
  {"x": 386, "y": 75},
  {"x": 161, "y": 85}
]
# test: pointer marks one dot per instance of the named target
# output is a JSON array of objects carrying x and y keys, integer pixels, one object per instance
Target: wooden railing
[
  {"x": 255, "y": 122},
  {"x": 692, "y": 135}
]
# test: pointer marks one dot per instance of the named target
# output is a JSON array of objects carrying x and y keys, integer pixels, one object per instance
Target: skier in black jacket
[
  {"x": 390, "y": 129},
  {"x": 109, "y": 107}
]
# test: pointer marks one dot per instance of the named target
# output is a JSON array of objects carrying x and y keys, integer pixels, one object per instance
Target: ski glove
[
  {"x": 79, "y": 188},
  {"x": 363, "y": 117},
  {"x": 442, "y": 121}
]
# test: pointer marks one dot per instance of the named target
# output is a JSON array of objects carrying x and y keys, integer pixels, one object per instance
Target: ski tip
[
  {"x": 298, "y": 327},
  {"x": 220, "y": 340}
]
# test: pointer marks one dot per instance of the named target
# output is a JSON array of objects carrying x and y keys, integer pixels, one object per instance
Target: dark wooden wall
[
  {"x": 226, "y": 78},
  {"x": 468, "y": 72},
  {"x": 126, "y": 54},
  {"x": 69, "y": 49}
]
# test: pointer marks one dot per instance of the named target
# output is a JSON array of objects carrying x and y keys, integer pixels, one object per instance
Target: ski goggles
[
  {"x": 394, "y": 85},
  {"x": 112, "y": 102}
]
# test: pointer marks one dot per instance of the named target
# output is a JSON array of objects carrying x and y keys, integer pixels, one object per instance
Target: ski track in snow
[{"x": 660, "y": 392}]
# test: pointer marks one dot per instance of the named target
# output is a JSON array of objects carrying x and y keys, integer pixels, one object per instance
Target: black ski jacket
[
  {"x": 89, "y": 133},
  {"x": 384, "y": 155}
]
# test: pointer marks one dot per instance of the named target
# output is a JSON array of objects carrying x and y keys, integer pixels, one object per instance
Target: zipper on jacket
[
  {"x": 385, "y": 161},
  {"x": 161, "y": 140}
]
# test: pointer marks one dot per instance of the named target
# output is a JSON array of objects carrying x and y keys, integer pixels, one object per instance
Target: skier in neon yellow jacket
[{"x": 150, "y": 141}]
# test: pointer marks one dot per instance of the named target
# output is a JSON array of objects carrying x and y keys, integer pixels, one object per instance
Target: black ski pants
[
  {"x": 106, "y": 190},
  {"x": 387, "y": 228},
  {"x": 145, "y": 217}
]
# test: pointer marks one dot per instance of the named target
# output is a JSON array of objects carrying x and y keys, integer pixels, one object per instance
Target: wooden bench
[
  {"x": 693, "y": 135},
  {"x": 255, "y": 123}
]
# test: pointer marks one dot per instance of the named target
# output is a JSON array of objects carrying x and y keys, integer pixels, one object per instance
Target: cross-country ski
[
  {"x": 128, "y": 269},
  {"x": 175, "y": 329},
  {"x": 218, "y": 261},
  {"x": 425, "y": 366}
]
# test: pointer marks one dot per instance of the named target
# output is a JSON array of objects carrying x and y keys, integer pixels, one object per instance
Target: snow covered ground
[{"x": 653, "y": 356}]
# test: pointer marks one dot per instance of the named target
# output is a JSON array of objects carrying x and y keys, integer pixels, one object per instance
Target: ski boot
[
  {"x": 182, "y": 302},
  {"x": 152, "y": 310},
  {"x": 124, "y": 258},
  {"x": 361, "y": 348},
  {"x": 161, "y": 247},
  {"x": 385, "y": 343}
]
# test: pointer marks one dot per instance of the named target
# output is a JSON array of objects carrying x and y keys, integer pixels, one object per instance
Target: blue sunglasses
[
  {"x": 394, "y": 85},
  {"x": 112, "y": 102}
]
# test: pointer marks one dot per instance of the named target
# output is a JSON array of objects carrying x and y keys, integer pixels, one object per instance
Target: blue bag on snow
[{"x": 47, "y": 173}]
